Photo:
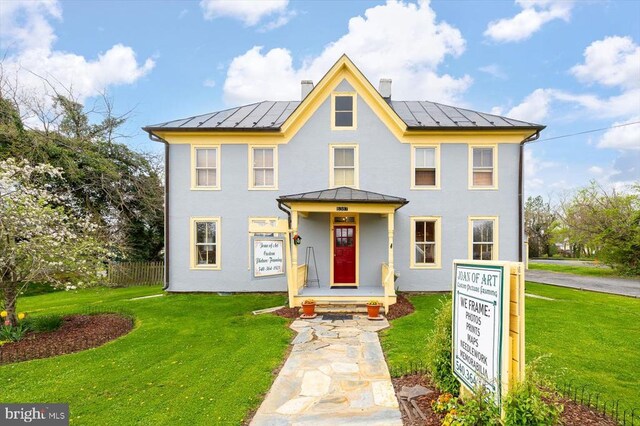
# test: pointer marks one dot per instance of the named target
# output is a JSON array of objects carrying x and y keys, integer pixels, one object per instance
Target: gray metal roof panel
[
  {"x": 343, "y": 194},
  {"x": 271, "y": 115}
]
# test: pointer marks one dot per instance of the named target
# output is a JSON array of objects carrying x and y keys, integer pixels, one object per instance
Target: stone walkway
[{"x": 336, "y": 374}]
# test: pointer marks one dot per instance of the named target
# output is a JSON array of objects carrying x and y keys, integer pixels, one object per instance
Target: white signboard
[
  {"x": 478, "y": 300},
  {"x": 268, "y": 257}
]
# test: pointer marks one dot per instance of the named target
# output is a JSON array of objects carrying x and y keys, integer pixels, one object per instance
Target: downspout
[
  {"x": 281, "y": 206},
  {"x": 166, "y": 207},
  {"x": 533, "y": 137}
]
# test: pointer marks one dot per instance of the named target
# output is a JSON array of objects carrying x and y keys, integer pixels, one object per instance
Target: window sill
[
  {"x": 205, "y": 268},
  {"x": 266, "y": 188},
  {"x": 483, "y": 188},
  {"x": 425, "y": 267},
  {"x": 205, "y": 188},
  {"x": 425, "y": 188}
]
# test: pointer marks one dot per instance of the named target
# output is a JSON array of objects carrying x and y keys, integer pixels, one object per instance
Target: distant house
[{"x": 379, "y": 188}]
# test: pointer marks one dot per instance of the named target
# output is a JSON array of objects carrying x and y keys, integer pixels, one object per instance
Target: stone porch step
[{"x": 342, "y": 307}]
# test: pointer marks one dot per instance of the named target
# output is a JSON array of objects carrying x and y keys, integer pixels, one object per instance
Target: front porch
[{"x": 343, "y": 208}]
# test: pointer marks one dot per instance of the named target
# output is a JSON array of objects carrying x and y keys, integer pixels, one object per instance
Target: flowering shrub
[
  {"x": 48, "y": 241},
  {"x": 444, "y": 403}
]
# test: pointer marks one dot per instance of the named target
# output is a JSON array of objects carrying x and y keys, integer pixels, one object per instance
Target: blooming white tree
[{"x": 41, "y": 239}]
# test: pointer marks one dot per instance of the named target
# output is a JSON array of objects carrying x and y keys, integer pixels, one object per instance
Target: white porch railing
[
  {"x": 387, "y": 276},
  {"x": 302, "y": 273}
]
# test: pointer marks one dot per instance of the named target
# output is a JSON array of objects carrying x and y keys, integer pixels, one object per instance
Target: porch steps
[{"x": 342, "y": 307}]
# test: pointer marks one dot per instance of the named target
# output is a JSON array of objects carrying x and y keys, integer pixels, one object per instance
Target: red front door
[{"x": 344, "y": 255}]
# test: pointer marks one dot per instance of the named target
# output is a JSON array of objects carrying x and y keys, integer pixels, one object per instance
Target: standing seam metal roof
[
  {"x": 270, "y": 115},
  {"x": 343, "y": 194}
]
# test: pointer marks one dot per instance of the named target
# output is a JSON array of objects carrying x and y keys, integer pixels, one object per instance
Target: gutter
[
  {"x": 531, "y": 138},
  {"x": 155, "y": 138}
]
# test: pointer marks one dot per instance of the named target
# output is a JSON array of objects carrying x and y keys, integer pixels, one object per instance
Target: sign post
[{"x": 488, "y": 325}]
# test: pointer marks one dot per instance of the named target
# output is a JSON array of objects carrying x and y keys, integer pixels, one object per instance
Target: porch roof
[{"x": 343, "y": 194}]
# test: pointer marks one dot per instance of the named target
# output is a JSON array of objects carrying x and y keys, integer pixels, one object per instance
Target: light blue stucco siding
[{"x": 384, "y": 167}]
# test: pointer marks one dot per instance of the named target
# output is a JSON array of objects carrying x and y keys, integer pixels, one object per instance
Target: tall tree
[
  {"x": 540, "y": 223},
  {"x": 117, "y": 187},
  {"x": 608, "y": 221}
]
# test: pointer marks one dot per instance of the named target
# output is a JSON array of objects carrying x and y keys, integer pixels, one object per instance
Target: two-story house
[{"x": 379, "y": 188}]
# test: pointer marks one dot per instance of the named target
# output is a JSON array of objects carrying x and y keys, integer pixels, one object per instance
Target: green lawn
[
  {"x": 192, "y": 359},
  {"x": 591, "y": 338},
  {"x": 590, "y": 271}
]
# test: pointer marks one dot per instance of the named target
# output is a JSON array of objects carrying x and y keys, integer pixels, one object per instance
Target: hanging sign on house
[
  {"x": 268, "y": 257},
  {"x": 481, "y": 348}
]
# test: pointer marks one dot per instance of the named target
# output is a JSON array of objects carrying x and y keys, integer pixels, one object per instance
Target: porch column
[
  {"x": 390, "y": 222},
  {"x": 294, "y": 247}
]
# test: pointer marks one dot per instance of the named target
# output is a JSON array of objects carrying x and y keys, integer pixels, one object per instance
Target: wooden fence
[{"x": 129, "y": 274}]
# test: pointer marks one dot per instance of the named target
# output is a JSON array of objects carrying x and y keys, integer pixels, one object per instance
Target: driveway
[{"x": 621, "y": 286}]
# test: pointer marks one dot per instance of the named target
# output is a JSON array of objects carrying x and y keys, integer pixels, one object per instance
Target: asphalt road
[{"x": 621, "y": 286}]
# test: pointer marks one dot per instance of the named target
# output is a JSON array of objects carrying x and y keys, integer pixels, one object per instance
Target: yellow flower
[
  {"x": 21, "y": 316},
  {"x": 3, "y": 314}
]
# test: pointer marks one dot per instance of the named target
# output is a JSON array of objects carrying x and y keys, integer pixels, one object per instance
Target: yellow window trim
[
  {"x": 252, "y": 187},
  {"x": 354, "y": 96},
  {"x": 195, "y": 187},
  {"x": 413, "y": 168},
  {"x": 495, "y": 167},
  {"x": 192, "y": 243},
  {"x": 496, "y": 235},
  {"x": 332, "y": 217},
  {"x": 251, "y": 219},
  {"x": 438, "y": 240},
  {"x": 356, "y": 164}
]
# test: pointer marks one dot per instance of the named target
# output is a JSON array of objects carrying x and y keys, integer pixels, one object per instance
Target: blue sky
[{"x": 573, "y": 66}]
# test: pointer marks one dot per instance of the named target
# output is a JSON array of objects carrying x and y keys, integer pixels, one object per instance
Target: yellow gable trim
[{"x": 344, "y": 69}]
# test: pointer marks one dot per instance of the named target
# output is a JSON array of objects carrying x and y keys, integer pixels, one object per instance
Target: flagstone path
[{"x": 336, "y": 374}]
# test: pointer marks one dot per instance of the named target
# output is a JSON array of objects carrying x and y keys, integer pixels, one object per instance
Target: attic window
[{"x": 343, "y": 111}]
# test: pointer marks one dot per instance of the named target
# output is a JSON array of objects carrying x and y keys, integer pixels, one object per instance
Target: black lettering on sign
[{"x": 342, "y": 209}]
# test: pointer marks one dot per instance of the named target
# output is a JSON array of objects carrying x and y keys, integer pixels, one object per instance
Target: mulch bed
[
  {"x": 291, "y": 313},
  {"x": 424, "y": 402},
  {"x": 77, "y": 333},
  {"x": 574, "y": 414},
  {"x": 401, "y": 308}
]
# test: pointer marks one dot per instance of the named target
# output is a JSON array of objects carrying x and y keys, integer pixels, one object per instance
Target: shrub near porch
[
  {"x": 591, "y": 339},
  {"x": 201, "y": 359}
]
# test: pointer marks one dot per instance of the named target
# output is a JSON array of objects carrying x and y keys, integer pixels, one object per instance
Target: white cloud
[
  {"x": 400, "y": 41},
  {"x": 209, "y": 83},
  {"x": 494, "y": 70},
  {"x": 280, "y": 21},
  {"x": 534, "y": 108},
  {"x": 613, "y": 61},
  {"x": 532, "y": 167},
  {"x": 534, "y": 14},
  {"x": 596, "y": 171},
  {"x": 29, "y": 37},
  {"x": 250, "y": 12},
  {"x": 24, "y": 24},
  {"x": 627, "y": 137}
]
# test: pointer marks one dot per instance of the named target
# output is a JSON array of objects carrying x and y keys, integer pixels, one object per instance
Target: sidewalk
[
  {"x": 620, "y": 286},
  {"x": 336, "y": 374}
]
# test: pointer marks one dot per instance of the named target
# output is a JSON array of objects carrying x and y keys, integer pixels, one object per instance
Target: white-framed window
[
  {"x": 483, "y": 170},
  {"x": 343, "y": 111},
  {"x": 263, "y": 167},
  {"x": 425, "y": 165},
  {"x": 483, "y": 238},
  {"x": 205, "y": 242},
  {"x": 426, "y": 242},
  {"x": 343, "y": 167},
  {"x": 205, "y": 167}
]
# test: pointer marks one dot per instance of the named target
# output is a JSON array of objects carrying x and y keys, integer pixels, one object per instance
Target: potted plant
[
  {"x": 373, "y": 309},
  {"x": 309, "y": 308}
]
